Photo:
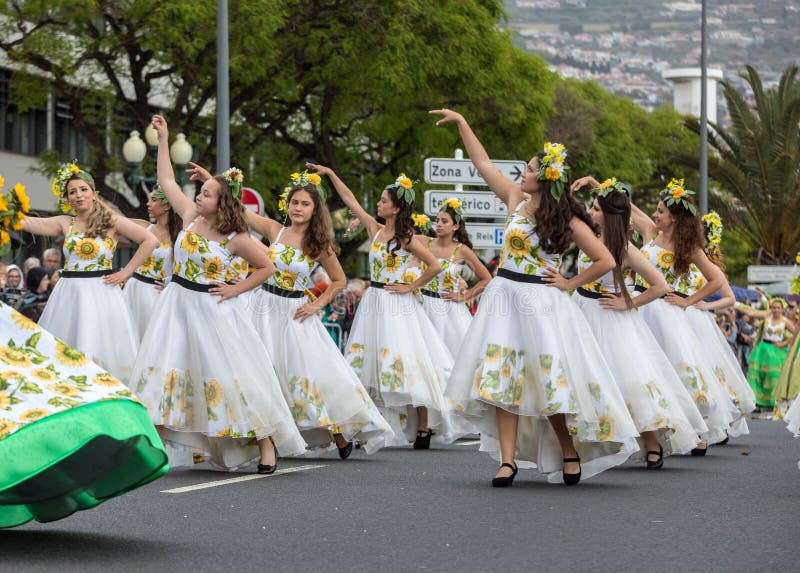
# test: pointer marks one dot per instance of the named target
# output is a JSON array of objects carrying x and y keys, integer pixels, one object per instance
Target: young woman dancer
[
  {"x": 766, "y": 359},
  {"x": 202, "y": 371},
  {"x": 442, "y": 300},
  {"x": 141, "y": 294},
  {"x": 530, "y": 373},
  {"x": 673, "y": 241},
  {"x": 726, "y": 367},
  {"x": 86, "y": 309},
  {"x": 662, "y": 409},
  {"x": 327, "y": 399},
  {"x": 393, "y": 347}
]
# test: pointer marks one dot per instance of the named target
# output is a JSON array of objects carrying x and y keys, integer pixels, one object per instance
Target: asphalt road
[{"x": 402, "y": 510}]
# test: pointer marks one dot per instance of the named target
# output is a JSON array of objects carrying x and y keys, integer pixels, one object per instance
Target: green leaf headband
[
  {"x": 612, "y": 186},
  {"x": 455, "y": 205},
  {"x": 713, "y": 221},
  {"x": 553, "y": 169},
  {"x": 422, "y": 222},
  {"x": 775, "y": 299},
  {"x": 234, "y": 177},
  {"x": 59, "y": 186},
  {"x": 301, "y": 180},
  {"x": 158, "y": 194},
  {"x": 405, "y": 188},
  {"x": 676, "y": 193}
]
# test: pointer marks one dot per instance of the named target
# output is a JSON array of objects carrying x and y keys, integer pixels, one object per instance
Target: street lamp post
[{"x": 134, "y": 150}]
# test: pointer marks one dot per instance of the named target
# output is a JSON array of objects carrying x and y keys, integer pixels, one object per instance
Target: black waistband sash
[
  {"x": 519, "y": 277},
  {"x": 282, "y": 291},
  {"x": 85, "y": 274}
]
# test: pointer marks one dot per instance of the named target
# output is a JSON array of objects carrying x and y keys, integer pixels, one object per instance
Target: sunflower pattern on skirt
[
  {"x": 41, "y": 376},
  {"x": 82, "y": 253}
]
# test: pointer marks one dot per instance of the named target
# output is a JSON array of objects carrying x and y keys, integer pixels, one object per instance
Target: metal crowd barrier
[{"x": 336, "y": 333}]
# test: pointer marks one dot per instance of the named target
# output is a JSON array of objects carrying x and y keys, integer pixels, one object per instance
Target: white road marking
[
  {"x": 468, "y": 443},
  {"x": 217, "y": 483}
]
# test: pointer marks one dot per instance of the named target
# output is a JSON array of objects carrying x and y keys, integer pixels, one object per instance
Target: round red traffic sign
[{"x": 252, "y": 200}]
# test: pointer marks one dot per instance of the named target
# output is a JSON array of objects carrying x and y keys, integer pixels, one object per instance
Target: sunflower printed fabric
[
  {"x": 447, "y": 280},
  {"x": 387, "y": 267},
  {"x": 292, "y": 266},
  {"x": 53, "y": 402},
  {"x": 664, "y": 261},
  {"x": 521, "y": 252},
  {"x": 603, "y": 285},
  {"x": 157, "y": 266},
  {"x": 82, "y": 253},
  {"x": 201, "y": 260}
]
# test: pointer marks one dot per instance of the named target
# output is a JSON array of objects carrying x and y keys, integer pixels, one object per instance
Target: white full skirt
[
  {"x": 653, "y": 392},
  {"x": 450, "y": 320},
  {"x": 92, "y": 317},
  {"x": 141, "y": 299},
  {"x": 323, "y": 393},
  {"x": 530, "y": 351},
  {"x": 207, "y": 380},
  {"x": 726, "y": 367},
  {"x": 395, "y": 352},
  {"x": 687, "y": 354}
]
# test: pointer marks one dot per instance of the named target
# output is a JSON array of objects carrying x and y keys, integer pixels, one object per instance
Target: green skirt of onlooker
[
  {"x": 788, "y": 386},
  {"x": 765, "y": 370}
]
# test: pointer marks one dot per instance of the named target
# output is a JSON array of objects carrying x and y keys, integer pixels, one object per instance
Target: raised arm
[
  {"x": 180, "y": 203},
  {"x": 508, "y": 191},
  {"x": 349, "y": 199},
  {"x": 643, "y": 224},
  {"x": 147, "y": 242},
  {"x": 264, "y": 226},
  {"x": 46, "y": 226}
]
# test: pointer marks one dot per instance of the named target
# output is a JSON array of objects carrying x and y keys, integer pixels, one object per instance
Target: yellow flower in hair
[
  {"x": 453, "y": 203},
  {"x": 552, "y": 174},
  {"x": 314, "y": 179},
  {"x": 608, "y": 183},
  {"x": 294, "y": 176},
  {"x": 404, "y": 181},
  {"x": 677, "y": 192}
]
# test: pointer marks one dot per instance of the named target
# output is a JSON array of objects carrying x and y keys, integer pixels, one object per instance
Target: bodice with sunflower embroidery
[
  {"x": 387, "y": 267},
  {"x": 603, "y": 285},
  {"x": 238, "y": 267},
  {"x": 201, "y": 260},
  {"x": 158, "y": 265},
  {"x": 292, "y": 267},
  {"x": 664, "y": 261},
  {"x": 521, "y": 252},
  {"x": 698, "y": 281},
  {"x": 775, "y": 332},
  {"x": 82, "y": 253},
  {"x": 447, "y": 280}
]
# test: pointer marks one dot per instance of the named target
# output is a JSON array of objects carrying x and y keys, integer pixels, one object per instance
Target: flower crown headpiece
[
  {"x": 13, "y": 207},
  {"x": 422, "y": 223},
  {"x": 59, "y": 186},
  {"x": 455, "y": 205},
  {"x": 676, "y": 193},
  {"x": 405, "y": 188},
  {"x": 300, "y": 180},
  {"x": 612, "y": 186},
  {"x": 713, "y": 221},
  {"x": 235, "y": 178},
  {"x": 553, "y": 169},
  {"x": 775, "y": 299}
]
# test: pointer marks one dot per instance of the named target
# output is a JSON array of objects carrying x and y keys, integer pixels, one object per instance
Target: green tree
[{"x": 757, "y": 166}]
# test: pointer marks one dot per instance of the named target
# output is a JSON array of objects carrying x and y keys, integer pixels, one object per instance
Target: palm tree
[{"x": 757, "y": 165}]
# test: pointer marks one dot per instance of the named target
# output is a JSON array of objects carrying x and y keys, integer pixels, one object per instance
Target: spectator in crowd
[
  {"x": 14, "y": 278},
  {"x": 54, "y": 274},
  {"x": 51, "y": 258},
  {"x": 321, "y": 281},
  {"x": 745, "y": 338},
  {"x": 35, "y": 299},
  {"x": 29, "y": 263},
  {"x": 727, "y": 323}
]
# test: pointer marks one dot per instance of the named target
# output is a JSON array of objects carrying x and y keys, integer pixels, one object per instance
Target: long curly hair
[
  {"x": 403, "y": 223},
  {"x": 230, "y": 211},
  {"x": 318, "y": 239},
  {"x": 687, "y": 236},
  {"x": 553, "y": 217},
  {"x": 174, "y": 225},
  {"x": 713, "y": 252},
  {"x": 101, "y": 219},
  {"x": 461, "y": 234},
  {"x": 616, "y": 209}
]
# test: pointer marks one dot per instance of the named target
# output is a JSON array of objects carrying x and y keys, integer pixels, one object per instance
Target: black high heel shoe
[
  {"x": 423, "y": 441},
  {"x": 345, "y": 452},
  {"x": 506, "y": 481},
  {"x": 659, "y": 462},
  {"x": 266, "y": 469},
  {"x": 572, "y": 479},
  {"x": 699, "y": 451}
]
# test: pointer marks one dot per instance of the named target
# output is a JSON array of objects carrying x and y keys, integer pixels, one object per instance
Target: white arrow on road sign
[
  {"x": 455, "y": 171},
  {"x": 473, "y": 203},
  {"x": 485, "y": 235}
]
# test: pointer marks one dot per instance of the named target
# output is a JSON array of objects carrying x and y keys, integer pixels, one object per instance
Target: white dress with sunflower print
[
  {"x": 687, "y": 353},
  {"x": 71, "y": 435},
  {"x": 451, "y": 319},
  {"x": 397, "y": 354},
  {"x": 530, "y": 351},
  {"x": 141, "y": 297},
  {"x": 323, "y": 393},
  {"x": 88, "y": 314},
  {"x": 653, "y": 392},
  {"x": 726, "y": 366},
  {"x": 203, "y": 372}
]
